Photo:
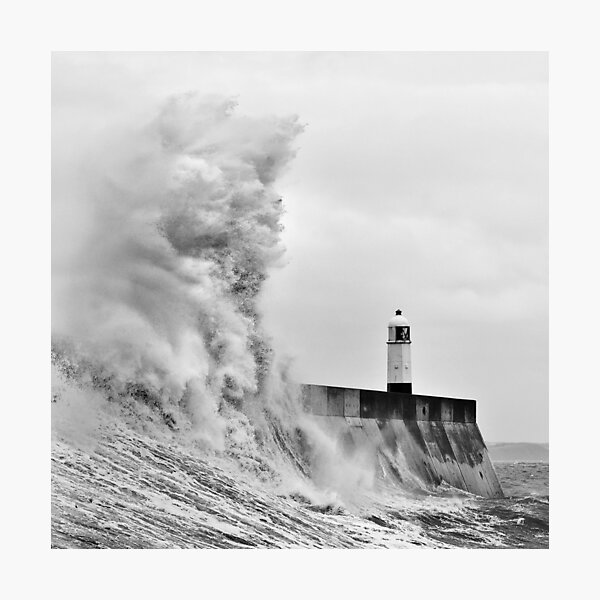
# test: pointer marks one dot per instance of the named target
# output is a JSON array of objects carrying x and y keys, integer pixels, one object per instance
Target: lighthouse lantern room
[{"x": 399, "y": 367}]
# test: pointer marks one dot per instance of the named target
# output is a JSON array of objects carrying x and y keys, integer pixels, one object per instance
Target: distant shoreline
[
  {"x": 542, "y": 462},
  {"x": 518, "y": 452}
]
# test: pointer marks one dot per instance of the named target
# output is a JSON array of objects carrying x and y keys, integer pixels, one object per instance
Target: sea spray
[
  {"x": 174, "y": 227},
  {"x": 181, "y": 226}
]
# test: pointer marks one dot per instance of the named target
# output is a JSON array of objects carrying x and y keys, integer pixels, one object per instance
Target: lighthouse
[
  {"x": 435, "y": 438},
  {"x": 399, "y": 377}
]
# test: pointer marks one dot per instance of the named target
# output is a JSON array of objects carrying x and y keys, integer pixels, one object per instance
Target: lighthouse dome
[{"x": 398, "y": 320}]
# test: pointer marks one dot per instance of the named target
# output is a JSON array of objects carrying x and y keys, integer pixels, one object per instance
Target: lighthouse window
[{"x": 402, "y": 334}]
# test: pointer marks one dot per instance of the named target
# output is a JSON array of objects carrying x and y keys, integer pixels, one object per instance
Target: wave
[{"x": 122, "y": 478}]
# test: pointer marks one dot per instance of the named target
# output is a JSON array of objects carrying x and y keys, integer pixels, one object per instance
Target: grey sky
[{"x": 421, "y": 182}]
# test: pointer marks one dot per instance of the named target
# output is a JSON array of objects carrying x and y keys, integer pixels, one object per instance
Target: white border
[{"x": 32, "y": 30}]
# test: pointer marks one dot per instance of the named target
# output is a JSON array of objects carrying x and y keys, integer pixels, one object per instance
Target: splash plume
[{"x": 173, "y": 229}]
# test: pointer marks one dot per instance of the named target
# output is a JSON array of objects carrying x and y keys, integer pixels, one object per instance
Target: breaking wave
[{"x": 158, "y": 266}]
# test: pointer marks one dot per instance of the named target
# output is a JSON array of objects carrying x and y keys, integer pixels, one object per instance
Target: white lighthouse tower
[{"x": 399, "y": 377}]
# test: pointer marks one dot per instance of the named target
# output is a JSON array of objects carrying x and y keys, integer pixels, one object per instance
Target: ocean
[{"x": 119, "y": 485}]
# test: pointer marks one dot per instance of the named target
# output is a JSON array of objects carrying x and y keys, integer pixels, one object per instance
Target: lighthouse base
[
  {"x": 400, "y": 388},
  {"x": 411, "y": 436}
]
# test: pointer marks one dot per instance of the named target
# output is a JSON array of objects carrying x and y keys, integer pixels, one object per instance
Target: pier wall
[{"x": 436, "y": 439}]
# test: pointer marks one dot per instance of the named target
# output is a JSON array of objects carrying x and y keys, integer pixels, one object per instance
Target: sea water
[{"x": 128, "y": 489}]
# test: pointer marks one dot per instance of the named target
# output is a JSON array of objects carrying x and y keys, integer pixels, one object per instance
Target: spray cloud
[{"x": 161, "y": 249}]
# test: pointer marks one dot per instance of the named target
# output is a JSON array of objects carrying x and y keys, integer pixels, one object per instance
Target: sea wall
[{"x": 434, "y": 438}]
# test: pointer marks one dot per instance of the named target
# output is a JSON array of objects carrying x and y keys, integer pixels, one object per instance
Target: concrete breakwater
[{"x": 437, "y": 439}]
